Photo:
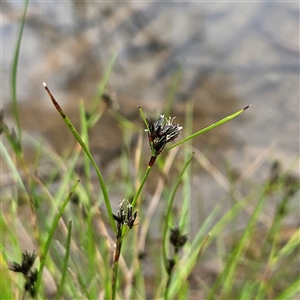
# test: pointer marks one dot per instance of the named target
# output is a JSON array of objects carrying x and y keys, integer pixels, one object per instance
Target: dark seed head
[
  {"x": 162, "y": 132},
  {"x": 177, "y": 239},
  {"x": 28, "y": 260}
]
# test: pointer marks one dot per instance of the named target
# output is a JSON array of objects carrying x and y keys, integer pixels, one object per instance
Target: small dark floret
[
  {"x": 30, "y": 284},
  {"x": 30, "y": 276},
  {"x": 124, "y": 218},
  {"x": 130, "y": 222},
  {"x": 28, "y": 260},
  {"x": 170, "y": 266},
  {"x": 177, "y": 239},
  {"x": 162, "y": 132}
]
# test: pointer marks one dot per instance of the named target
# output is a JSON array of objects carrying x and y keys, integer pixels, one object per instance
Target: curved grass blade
[
  {"x": 13, "y": 140},
  {"x": 212, "y": 126},
  {"x": 50, "y": 236},
  {"x": 87, "y": 152},
  {"x": 227, "y": 276},
  {"x": 65, "y": 265},
  {"x": 291, "y": 245}
]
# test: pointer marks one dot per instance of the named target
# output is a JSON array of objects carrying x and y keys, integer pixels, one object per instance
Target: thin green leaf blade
[
  {"x": 210, "y": 127},
  {"x": 50, "y": 236}
]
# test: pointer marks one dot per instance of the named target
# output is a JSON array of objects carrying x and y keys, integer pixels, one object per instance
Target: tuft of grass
[{"x": 147, "y": 246}]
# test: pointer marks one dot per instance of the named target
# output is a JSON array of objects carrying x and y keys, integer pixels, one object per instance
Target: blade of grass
[
  {"x": 226, "y": 119},
  {"x": 59, "y": 253},
  {"x": 85, "y": 138},
  {"x": 6, "y": 282},
  {"x": 65, "y": 263},
  {"x": 13, "y": 140},
  {"x": 12, "y": 166},
  {"x": 185, "y": 212},
  {"x": 87, "y": 152},
  {"x": 248, "y": 291},
  {"x": 226, "y": 278},
  {"x": 123, "y": 121},
  {"x": 228, "y": 217},
  {"x": 50, "y": 236},
  {"x": 274, "y": 236},
  {"x": 91, "y": 251},
  {"x": 14, "y": 74},
  {"x": 291, "y": 291},
  {"x": 80, "y": 279},
  {"x": 291, "y": 244},
  {"x": 68, "y": 175},
  {"x": 95, "y": 114}
]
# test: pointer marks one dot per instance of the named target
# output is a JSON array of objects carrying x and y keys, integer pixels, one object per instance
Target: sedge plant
[
  {"x": 92, "y": 252},
  {"x": 160, "y": 132}
]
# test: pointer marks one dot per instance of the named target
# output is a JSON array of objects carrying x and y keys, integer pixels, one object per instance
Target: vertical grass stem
[{"x": 14, "y": 74}]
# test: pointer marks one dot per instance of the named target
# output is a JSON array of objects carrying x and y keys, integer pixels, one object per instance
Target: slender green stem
[
  {"x": 120, "y": 238},
  {"x": 141, "y": 186},
  {"x": 14, "y": 73},
  {"x": 115, "y": 268}
]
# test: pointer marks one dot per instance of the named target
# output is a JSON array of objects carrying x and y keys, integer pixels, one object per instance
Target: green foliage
[{"x": 91, "y": 250}]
